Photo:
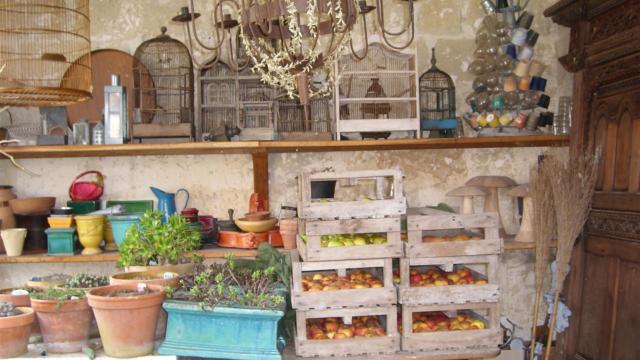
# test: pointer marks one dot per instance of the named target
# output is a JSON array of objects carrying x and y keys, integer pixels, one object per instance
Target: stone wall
[{"x": 219, "y": 182}]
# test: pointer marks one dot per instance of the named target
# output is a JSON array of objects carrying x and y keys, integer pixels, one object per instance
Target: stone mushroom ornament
[
  {"x": 467, "y": 193},
  {"x": 525, "y": 234},
  {"x": 492, "y": 184}
]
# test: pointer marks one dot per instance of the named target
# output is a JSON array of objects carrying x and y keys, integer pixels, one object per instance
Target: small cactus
[
  {"x": 86, "y": 281},
  {"x": 8, "y": 309}
]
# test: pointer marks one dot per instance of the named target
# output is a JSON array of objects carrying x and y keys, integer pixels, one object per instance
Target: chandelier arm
[
  {"x": 366, "y": 41},
  {"x": 381, "y": 21},
  {"x": 198, "y": 65},
  {"x": 195, "y": 33},
  {"x": 269, "y": 24},
  {"x": 411, "y": 28},
  {"x": 233, "y": 64}
]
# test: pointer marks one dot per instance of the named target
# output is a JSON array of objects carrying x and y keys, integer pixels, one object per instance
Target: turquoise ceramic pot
[
  {"x": 120, "y": 224},
  {"x": 222, "y": 332}
]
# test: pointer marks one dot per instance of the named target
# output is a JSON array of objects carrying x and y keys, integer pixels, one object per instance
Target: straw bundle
[
  {"x": 544, "y": 229},
  {"x": 572, "y": 184}
]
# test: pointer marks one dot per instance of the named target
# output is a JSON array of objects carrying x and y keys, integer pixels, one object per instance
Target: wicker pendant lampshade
[{"x": 44, "y": 47}]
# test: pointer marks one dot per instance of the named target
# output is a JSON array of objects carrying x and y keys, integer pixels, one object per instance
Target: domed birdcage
[
  {"x": 437, "y": 100},
  {"x": 163, "y": 80}
]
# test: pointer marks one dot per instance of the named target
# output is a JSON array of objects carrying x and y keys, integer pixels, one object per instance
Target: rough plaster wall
[{"x": 220, "y": 182}]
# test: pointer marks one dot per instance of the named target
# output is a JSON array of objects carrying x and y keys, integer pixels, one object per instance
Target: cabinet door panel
[{"x": 626, "y": 345}]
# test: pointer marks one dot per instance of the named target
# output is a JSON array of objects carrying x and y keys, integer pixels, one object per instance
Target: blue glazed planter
[
  {"x": 224, "y": 332},
  {"x": 120, "y": 224}
]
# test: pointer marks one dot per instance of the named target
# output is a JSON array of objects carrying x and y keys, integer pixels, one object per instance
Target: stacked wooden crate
[
  {"x": 457, "y": 314},
  {"x": 368, "y": 308}
]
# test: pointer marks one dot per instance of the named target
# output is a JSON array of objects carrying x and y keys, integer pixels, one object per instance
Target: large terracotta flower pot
[
  {"x": 151, "y": 277},
  {"x": 14, "y": 333},
  {"x": 127, "y": 324},
  {"x": 64, "y": 324},
  {"x": 22, "y": 299}
]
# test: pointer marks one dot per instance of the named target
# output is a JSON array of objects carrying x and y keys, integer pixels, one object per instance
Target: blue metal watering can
[{"x": 167, "y": 201}]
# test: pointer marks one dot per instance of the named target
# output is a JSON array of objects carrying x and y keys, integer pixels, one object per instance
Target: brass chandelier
[{"x": 289, "y": 42}]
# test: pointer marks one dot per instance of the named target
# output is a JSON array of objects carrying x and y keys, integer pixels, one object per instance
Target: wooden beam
[{"x": 260, "y": 159}]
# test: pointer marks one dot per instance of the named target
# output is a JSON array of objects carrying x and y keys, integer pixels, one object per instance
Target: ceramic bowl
[
  {"x": 32, "y": 205},
  {"x": 256, "y": 226}
]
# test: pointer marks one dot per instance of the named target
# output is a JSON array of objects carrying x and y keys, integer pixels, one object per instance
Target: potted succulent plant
[
  {"x": 226, "y": 311},
  {"x": 15, "y": 327},
  {"x": 85, "y": 282},
  {"x": 167, "y": 246},
  {"x": 127, "y": 316},
  {"x": 64, "y": 317}
]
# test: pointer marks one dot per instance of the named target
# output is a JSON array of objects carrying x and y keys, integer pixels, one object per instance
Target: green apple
[
  {"x": 379, "y": 240},
  {"x": 335, "y": 243},
  {"x": 348, "y": 242},
  {"x": 360, "y": 241}
]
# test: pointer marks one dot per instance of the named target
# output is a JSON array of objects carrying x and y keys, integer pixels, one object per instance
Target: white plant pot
[{"x": 13, "y": 240}]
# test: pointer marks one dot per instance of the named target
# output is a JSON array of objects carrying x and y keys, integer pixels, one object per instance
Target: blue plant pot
[
  {"x": 222, "y": 332},
  {"x": 120, "y": 224}
]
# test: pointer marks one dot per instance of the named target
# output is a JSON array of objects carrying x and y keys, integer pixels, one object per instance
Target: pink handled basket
[{"x": 87, "y": 190}]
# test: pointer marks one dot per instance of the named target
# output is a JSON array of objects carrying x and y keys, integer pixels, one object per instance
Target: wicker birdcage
[
  {"x": 219, "y": 97},
  {"x": 437, "y": 99},
  {"x": 44, "y": 47},
  {"x": 163, "y": 81},
  {"x": 290, "y": 121},
  {"x": 378, "y": 95}
]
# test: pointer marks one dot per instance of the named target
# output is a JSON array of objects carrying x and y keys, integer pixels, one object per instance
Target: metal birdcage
[
  {"x": 44, "y": 47},
  {"x": 437, "y": 99},
  {"x": 163, "y": 80}
]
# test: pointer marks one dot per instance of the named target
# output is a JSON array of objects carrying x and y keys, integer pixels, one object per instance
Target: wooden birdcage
[
  {"x": 44, "y": 47},
  {"x": 377, "y": 95},
  {"x": 163, "y": 79},
  {"x": 437, "y": 100},
  {"x": 219, "y": 97},
  {"x": 290, "y": 121}
]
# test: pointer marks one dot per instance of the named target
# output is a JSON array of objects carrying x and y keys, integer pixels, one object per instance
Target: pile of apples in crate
[
  {"x": 446, "y": 238},
  {"x": 336, "y": 329},
  {"x": 439, "y": 321},
  {"x": 349, "y": 240},
  {"x": 437, "y": 277},
  {"x": 330, "y": 282}
]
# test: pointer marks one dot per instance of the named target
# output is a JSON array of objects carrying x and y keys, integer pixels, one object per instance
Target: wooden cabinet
[{"x": 604, "y": 284}]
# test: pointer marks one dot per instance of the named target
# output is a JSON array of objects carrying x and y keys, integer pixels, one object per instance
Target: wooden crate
[
  {"x": 354, "y": 346},
  {"x": 314, "y": 229},
  {"x": 459, "y": 343},
  {"x": 456, "y": 294},
  {"x": 307, "y": 300},
  {"x": 379, "y": 207},
  {"x": 436, "y": 221}
]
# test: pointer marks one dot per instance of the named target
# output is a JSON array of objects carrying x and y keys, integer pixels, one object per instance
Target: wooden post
[{"x": 260, "y": 159}]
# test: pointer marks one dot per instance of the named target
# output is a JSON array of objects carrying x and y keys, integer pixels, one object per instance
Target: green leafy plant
[
  {"x": 86, "y": 281},
  {"x": 59, "y": 294},
  {"x": 230, "y": 285},
  {"x": 155, "y": 242}
]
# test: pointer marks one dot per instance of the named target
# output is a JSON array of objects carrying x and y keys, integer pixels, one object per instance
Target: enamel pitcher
[{"x": 167, "y": 201}]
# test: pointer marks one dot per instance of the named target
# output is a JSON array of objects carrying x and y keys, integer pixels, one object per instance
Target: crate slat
[
  {"x": 388, "y": 344},
  {"x": 451, "y": 293}
]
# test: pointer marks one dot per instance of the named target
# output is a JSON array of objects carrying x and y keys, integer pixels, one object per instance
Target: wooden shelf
[
  {"x": 512, "y": 245},
  {"x": 113, "y": 256},
  {"x": 234, "y": 147}
]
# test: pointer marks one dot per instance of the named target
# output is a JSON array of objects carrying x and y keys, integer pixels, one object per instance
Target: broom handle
[
  {"x": 536, "y": 309},
  {"x": 552, "y": 326}
]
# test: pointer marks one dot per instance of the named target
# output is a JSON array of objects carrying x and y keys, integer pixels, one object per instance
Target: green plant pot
[
  {"x": 222, "y": 332},
  {"x": 83, "y": 207},
  {"x": 61, "y": 241}
]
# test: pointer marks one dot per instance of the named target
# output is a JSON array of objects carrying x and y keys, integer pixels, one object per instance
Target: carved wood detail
[
  {"x": 615, "y": 21},
  {"x": 618, "y": 224}
]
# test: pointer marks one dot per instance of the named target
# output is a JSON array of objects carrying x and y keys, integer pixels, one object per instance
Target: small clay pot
[
  {"x": 14, "y": 333},
  {"x": 13, "y": 241},
  {"x": 289, "y": 230},
  {"x": 64, "y": 324},
  {"x": 127, "y": 324},
  {"x": 17, "y": 300}
]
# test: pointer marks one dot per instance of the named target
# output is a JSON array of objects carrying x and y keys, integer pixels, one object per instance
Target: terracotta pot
[
  {"x": 6, "y": 193},
  {"x": 32, "y": 205},
  {"x": 14, "y": 333},
  {"x": 64, "y": 325},
  {"x": 127, "y": 324},
  {"x": 128, "y": 278},
  {"x": 17, "y": 300},
  {"x": 289, "y": 230},
  {"x": 13, "y": 240},
  {"x": 179, "y": 268}
]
